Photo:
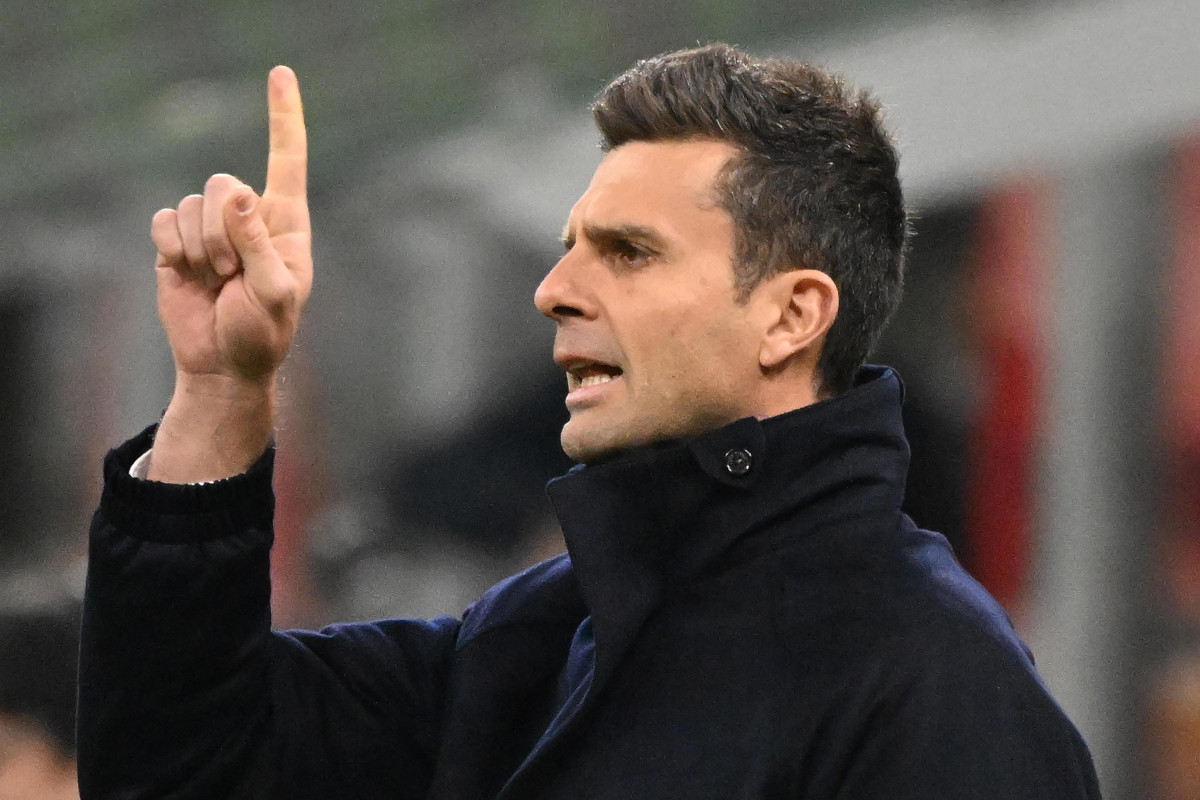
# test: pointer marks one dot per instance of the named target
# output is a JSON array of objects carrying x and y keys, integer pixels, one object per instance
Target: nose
[{"x": 560, "y": 294}]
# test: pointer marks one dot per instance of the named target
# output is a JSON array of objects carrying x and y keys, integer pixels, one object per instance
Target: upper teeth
[{"x": 594, "y": 380}]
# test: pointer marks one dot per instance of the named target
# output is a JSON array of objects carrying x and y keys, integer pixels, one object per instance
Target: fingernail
[{"x": 244, "y": 203}]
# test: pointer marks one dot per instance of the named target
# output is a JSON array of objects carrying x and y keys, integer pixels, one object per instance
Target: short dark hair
[{"x": 816, "y": 184}]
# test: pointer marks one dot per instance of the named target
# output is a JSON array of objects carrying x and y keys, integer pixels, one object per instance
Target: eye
[{"x": 627, "y": 254}]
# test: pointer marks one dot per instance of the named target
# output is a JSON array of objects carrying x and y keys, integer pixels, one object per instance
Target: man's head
[{"x": 738, "y": 252}]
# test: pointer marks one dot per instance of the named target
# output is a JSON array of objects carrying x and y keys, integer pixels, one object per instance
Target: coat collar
[
  {"x": 643, "y": 525},
  {"x": 653, "y": 520}
]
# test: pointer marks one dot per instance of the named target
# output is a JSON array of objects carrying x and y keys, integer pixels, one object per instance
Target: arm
[{"x": 184, "y": 691}]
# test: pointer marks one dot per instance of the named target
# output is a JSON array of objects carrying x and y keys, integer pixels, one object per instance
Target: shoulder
[
  {"x": 943, "y": 608},
  {"x": 920, "y": 665},
  {"x": 892, "y": 602},
  {"x": 953, "y": 685}
]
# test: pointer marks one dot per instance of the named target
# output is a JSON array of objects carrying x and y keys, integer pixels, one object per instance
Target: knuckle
[
  {"x": 220, "y": 181},
  {"x": 165, "y": 235},
  {"x": 257, "y": 238},
  {"x": 170, "y": 249},
  {"x": 163, "y": 219},
  {"x": 190, "y": 207}
]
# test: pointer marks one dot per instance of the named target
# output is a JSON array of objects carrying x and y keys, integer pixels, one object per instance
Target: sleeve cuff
[{"x": 166, "y": 512}]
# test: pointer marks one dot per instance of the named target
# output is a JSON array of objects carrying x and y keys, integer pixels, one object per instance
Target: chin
[
  {"x": 595, "y": 444},
  {"x": 587, "y": 452},
  {"x": 590, "y": 446}
]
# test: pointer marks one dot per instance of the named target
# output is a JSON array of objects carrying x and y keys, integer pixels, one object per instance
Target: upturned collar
[{"x": 662, "y": 516}]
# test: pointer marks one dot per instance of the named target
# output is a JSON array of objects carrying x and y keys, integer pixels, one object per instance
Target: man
[{"x": 744, "y": 611}]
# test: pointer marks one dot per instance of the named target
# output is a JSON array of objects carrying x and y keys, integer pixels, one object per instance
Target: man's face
[{"x": 650, "y": 332}]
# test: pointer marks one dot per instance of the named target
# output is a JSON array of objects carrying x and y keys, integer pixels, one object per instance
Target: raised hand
[{"x": 234, "y": 270}]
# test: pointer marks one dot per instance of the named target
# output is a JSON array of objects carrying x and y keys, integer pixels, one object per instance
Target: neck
[{"x": 784, "y": 390}]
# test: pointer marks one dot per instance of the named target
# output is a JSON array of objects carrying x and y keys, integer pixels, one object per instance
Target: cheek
[
  {"x": 684, "y": 344},
  {"x": 707, "y": 362}
]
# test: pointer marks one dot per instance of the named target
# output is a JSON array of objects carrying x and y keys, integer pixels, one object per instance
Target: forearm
[
  {"x": 215, "y": 427},
  {"x": 185, "y": 693},
  {"x": 174, "y": 654}
]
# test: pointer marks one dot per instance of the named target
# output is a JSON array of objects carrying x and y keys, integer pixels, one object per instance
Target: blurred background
[{"x": 1050, "y": 337}]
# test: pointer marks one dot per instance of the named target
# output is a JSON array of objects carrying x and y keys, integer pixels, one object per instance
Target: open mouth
[{"x": 584, "y": 374}]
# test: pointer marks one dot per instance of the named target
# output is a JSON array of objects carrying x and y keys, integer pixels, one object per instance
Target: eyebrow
[{"x": 610, "y": 233}]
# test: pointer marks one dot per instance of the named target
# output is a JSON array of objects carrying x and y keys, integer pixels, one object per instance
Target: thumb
[{"x": 266, "y": 275}]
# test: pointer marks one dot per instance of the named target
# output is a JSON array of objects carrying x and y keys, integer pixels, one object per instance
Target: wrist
[
  {"x": 215, "y": 427},
  {"x": 207, "y": 388}
]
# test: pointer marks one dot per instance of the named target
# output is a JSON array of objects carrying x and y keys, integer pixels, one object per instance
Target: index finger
[{"x": 287, "y": 162}]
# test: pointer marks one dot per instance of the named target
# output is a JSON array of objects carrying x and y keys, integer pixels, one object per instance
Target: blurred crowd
[{"x": 37, "y": 703}]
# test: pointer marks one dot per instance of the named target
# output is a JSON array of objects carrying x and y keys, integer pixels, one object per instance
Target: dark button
[{"x": 738, "y": 461}]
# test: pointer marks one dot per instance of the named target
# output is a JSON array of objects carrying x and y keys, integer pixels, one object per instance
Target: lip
[
  {"x": 585, "y": 396},
  {"x": 568, "y": 360},
  {"x": 574, "y": 362}
]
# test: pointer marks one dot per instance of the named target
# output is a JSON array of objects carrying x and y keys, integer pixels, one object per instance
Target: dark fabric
[{"x": 777, "y": 632}]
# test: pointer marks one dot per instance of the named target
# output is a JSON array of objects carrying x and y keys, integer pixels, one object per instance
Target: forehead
[{"x": 653, "y": 182}]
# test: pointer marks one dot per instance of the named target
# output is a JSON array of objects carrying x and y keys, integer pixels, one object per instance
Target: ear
[{"x": 802, "y": 305}]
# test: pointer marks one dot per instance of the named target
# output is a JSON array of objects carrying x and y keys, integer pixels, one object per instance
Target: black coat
[{"x": 744, "y": 615}]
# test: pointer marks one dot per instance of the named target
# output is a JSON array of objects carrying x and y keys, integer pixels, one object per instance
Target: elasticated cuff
[{"x": 176, "y": 513}]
